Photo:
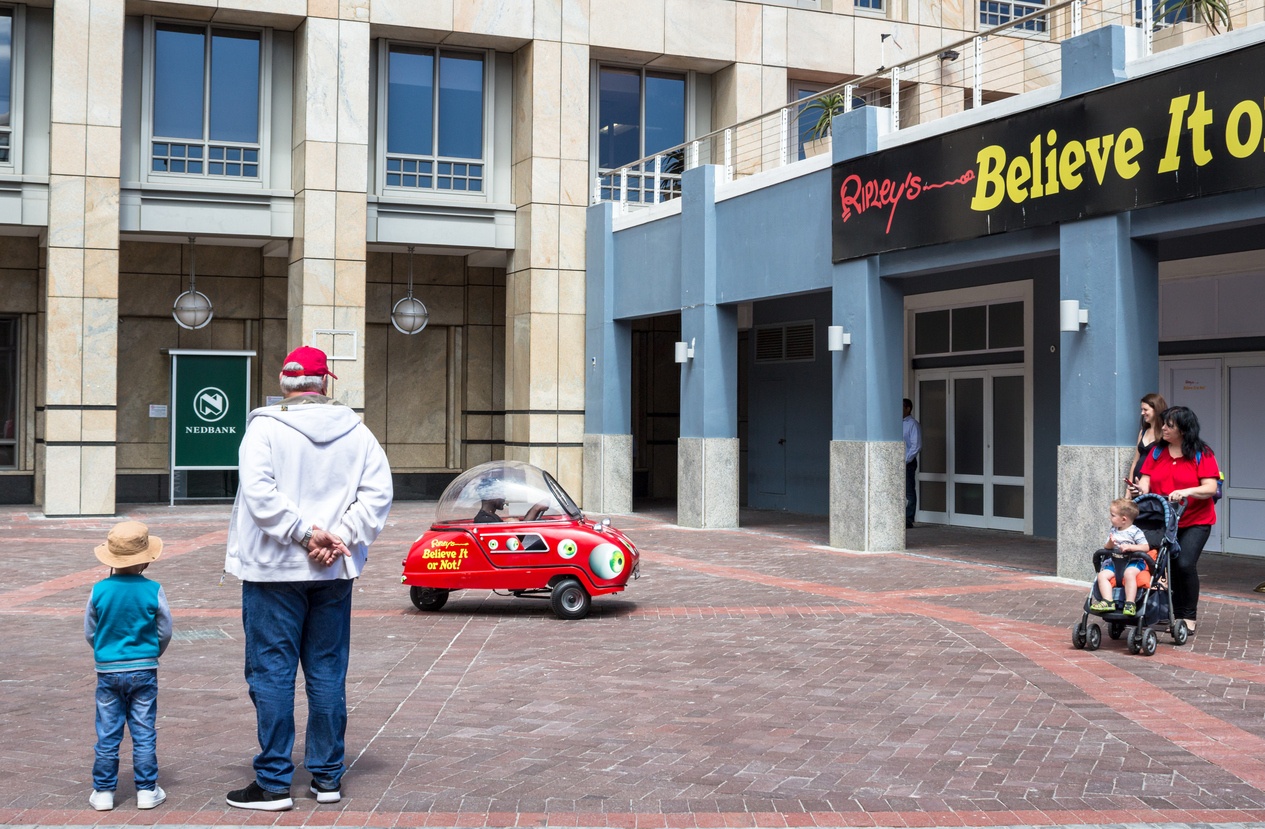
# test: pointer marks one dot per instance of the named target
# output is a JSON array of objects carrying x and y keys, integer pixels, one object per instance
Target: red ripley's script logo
[{"x": 861, "y": 196}]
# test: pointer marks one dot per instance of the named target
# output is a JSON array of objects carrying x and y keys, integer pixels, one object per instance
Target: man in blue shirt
[{"x": 913, "y": 445}]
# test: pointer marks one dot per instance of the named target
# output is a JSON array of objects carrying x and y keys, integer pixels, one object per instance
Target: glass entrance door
[{"x": 972, "y": 470}]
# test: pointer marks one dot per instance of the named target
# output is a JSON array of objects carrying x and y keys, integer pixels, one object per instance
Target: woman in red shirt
[{"x": 1186, "y": 470}]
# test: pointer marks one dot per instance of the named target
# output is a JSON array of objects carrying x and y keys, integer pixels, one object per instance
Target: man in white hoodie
[{"x": 314, "y": 492}]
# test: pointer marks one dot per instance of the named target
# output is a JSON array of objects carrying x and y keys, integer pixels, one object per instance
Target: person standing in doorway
[
  {"x": 913, "y": 446},
  {"x": 314, "y": 492}
]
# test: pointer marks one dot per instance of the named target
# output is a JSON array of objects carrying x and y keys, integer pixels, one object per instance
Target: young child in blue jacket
[{"x": 128, "y": 624}]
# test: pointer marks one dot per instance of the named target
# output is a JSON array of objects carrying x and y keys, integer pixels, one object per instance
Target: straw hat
[{"x": 129, "y": 543}]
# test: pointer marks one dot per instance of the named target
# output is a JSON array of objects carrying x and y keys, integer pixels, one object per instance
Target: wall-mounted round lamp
[
  {"x": 192, "y": 309},
  {"x": 409, "y": 315}
]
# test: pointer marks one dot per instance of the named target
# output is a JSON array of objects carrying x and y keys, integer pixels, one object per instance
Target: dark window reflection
[
  {"x": 6, "y": 66},
  {"x": 179, "y": 57},
  {"x": 619, "y": 117},
  {"x": 665, "y": 112},
  {"x": 461, "y": 106},
  {"x": 235, "y": 86},
  {"x": 410, "y": 101},
  {"x": 970, "y": 328},
  {"x": 8, "y": 390}
]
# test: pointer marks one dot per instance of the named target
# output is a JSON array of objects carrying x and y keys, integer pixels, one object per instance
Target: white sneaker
[
  {"x": 101, "y": 801},
  {"x": 324, "y": 795},
  {"x": 149, "y": 798}
]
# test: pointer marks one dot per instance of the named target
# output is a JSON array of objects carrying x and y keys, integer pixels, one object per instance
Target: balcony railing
[{"x": 1021, "y": 54}]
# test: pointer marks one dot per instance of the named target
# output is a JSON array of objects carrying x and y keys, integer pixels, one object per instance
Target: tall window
[
  {"x": 6, "y": 86},
  {"x": 206, "y": 110},
  {"x": 1163, "y": 12},
  {"x": 8, "y": 392},
  {"x": 997, "y": 12},
  {"x": 434, "y": 119},
  {"x": 639, "y": 113}
]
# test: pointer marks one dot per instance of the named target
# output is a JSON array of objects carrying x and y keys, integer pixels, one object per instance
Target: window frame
[
  {"x": 401, "y": 192},
  {"x": 639, "y": 183},
  {"x": 205, "y": 179},
  {"x": 17, "y": 82},
  {"x": 1037, "y": 27},
  {"x": 876, "y": 7}
]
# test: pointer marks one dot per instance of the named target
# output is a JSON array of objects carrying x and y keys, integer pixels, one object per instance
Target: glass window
[
  {"x": 6, "y": 86},
  {"x": 639, "y": 114},
  {"x": 1005, "y": 325},
  {"x": 996, "y": 13},
  {"x": 435, "y": 119},
  {"x": 970, "y": 328},
  {"x": 1177, "y": 12},
  {"x": 8, "y": 391},
  {"x": 206, "y": 101},
  {"x": 931, "y": 332},
  {"x": 876, "y": 5}
]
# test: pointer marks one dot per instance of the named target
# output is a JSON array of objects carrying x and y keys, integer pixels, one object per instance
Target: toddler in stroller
[
  {"x": 1127, "y": 545},
  {"x": 1109, "y": 595}
]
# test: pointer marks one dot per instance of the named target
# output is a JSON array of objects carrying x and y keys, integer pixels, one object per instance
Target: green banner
[{"x": 209, "y": 403}]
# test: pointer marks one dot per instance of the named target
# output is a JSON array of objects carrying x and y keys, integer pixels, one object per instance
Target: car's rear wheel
[
  {"x": 428, "y": 598},
  {"x": 569, "y": 600}
]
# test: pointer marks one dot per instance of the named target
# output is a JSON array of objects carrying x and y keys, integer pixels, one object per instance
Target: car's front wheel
[{"x": 569, "y": 600}]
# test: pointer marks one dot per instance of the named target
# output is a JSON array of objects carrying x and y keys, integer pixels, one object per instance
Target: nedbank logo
[{"x": 210, "y": 404}]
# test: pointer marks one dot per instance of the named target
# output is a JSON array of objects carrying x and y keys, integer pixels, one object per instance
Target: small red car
[{"x": 507, "y": 525}]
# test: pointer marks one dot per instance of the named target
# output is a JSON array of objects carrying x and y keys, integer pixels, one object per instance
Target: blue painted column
[
  {"x": 608, "y": 462},
  {"x": 1108, "y": 364},
  {"x": 867, "y": 450},
  {"x": 707, "y": 450}
]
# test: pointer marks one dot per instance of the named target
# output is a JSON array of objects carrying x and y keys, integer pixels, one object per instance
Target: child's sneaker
[
  {"x": 149, "y": 798},
  {"x": 1102, "y": 606},
  {"x": 101, "y": 801},
  {"x": 1130, "y": 609}
]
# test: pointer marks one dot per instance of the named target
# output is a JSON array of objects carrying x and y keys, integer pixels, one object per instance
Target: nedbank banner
[
  {"x": 1195, "y": 130},
  {"x": 209, "y": 403}
]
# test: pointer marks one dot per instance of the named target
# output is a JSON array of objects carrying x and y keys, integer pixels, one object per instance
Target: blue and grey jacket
[{"x": 127, "y": 622}]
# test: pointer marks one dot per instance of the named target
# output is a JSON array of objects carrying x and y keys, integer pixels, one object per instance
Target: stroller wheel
[
  {"x": 1134, "y": 640},
  {"x": 1093, "y": 637},
  {"x": 1115, "y": 629},
  {"x": 1180, "y": 632},
  {"x": 1149, "y": 642},
  {"x": 1078, "y": 635}
]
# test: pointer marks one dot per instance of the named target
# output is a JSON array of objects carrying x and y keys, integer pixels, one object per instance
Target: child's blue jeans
[{"x": 129, "y": 697}]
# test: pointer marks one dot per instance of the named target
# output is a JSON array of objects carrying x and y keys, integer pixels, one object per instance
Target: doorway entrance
[{"x": 973, "y": 467}]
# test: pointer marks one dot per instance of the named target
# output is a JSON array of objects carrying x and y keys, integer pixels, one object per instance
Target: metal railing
[{"x": 1020, "y": 55}]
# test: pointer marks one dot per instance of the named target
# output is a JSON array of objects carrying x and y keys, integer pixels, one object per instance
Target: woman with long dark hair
[
  {"x": 1153, "y": 405},
  {"x": 1185, "y": 470}
]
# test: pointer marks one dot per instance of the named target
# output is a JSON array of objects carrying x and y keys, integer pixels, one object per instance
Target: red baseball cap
[{"x": 312, "y": 360}]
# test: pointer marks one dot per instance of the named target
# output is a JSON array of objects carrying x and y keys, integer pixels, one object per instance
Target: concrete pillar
[
  {"x": 545, "y": 280},
  {"x": 707, "y": 451},
  {"x": 327, "y": 258},
  {"x": 867, "y": 451},
  {"x": 1107, "y": 365},
  {"x": 80, "y": 371},
  {"x": 608, "y": 378}
]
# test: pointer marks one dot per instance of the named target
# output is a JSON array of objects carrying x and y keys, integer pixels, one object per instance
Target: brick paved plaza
[{"x": 750, "y": 678}]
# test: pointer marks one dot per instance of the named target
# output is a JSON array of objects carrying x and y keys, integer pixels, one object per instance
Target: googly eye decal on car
[
  {"x": 493, "y": 544},
  {"x": 607, "y": 561},
  {"x": 567, "y": 548},
  {"x": 512, "y": 543}
]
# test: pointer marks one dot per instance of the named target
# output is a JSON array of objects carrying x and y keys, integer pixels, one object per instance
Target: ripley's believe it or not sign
[{"x": 1196, "y": 130}]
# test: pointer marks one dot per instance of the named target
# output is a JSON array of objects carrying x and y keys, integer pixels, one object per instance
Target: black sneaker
[
  {"x": 253, "y": 797},
  {"x": 326, "y": 794}
]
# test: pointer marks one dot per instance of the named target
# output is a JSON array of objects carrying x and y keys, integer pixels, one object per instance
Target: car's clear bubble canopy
[{"x": 520, "y": 486}]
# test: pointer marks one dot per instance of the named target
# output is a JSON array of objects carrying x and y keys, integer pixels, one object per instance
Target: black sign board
[{"x": 1195, "y": 130}]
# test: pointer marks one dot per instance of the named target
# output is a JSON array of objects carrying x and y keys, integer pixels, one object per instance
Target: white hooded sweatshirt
[{"x": 306, "y": 462}]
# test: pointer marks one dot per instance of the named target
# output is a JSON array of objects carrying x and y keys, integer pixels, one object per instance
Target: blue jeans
[
  {"x": 289, "y": 624},
  {"x": 129, "y": 697}
]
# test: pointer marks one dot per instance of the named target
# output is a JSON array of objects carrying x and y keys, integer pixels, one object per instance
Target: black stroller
[{"x": 1157, "y": 518}]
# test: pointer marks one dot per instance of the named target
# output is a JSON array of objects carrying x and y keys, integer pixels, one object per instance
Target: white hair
[{"x": 289, "y": 385}]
